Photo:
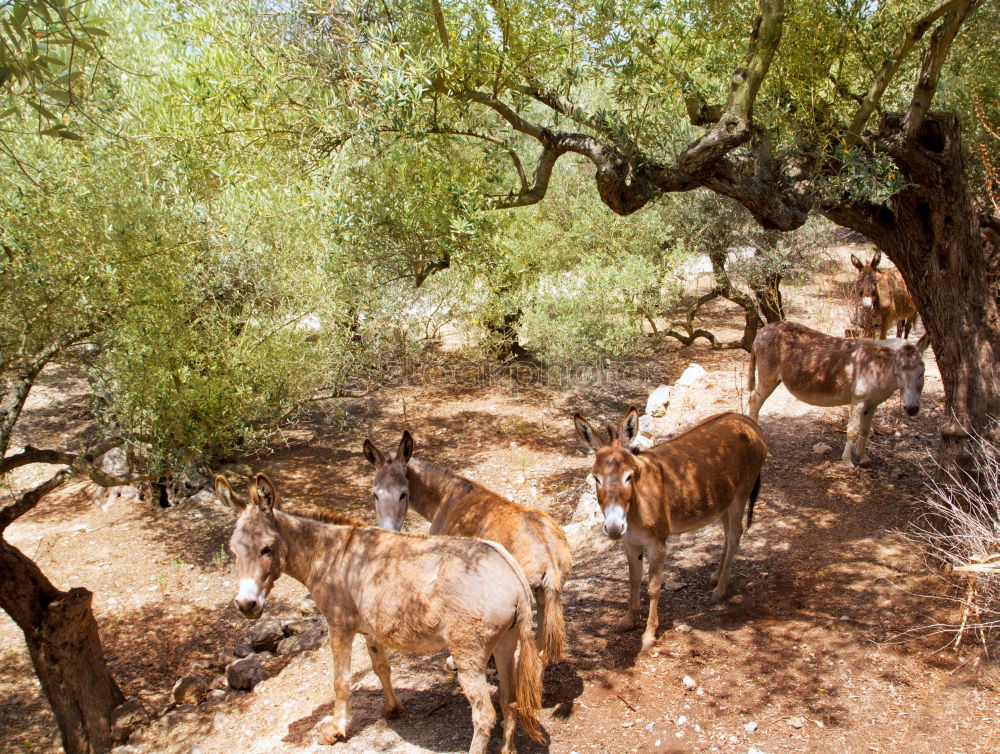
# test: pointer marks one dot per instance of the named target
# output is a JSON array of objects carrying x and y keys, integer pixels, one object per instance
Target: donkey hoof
[
  {"x": 330, "y": 732},
  {"x": 718, "y": 594},
  {"x": 848, "y": 463},
  {"x": 865, "y": 462},
  {"x": 391, "y": 711},
  {"x": 627, "y": 623},
  {"x": 648, "y": 640}
]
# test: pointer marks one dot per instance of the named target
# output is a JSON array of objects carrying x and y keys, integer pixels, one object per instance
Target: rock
[
  {"x": 896, "y": 473},
  {"x": 219, "y": 682},
  {"x": 241, "y": 650},
  {"x": 314, "y": 638},
  {"x": 202, "y": 497},
  {"x": 245, "y": 673},
  {"x": 266, "y": 634},
  {"x": 127, "y": 718},
  {"x": 190, "y": 689},
  {"x": 656, "y": 404},
  {"x": 673, "y": 586},
  {"x": 820, "y": 448},
  {"x": 296, "y": 627},
  {"x": 692, "y": 376},
  {"x": 308, "y": 606},
  {"x": 641, "y": 443},
  {"x": 750, "y": 727},
  {"x": 587, "y": 508},
  {"x": 689, "y": 683},
  {"x": 647, "y": 426},
  {"x": 796, "y": 722}
]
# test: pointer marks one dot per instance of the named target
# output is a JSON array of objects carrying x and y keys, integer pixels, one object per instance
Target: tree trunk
[
  {"x": 62, "y": 638},
  {"x": 931, "y": 232},
  {"x": 768, "y": 295}
]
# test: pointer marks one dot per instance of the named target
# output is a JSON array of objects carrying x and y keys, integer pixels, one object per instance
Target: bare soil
[{"x": 818, "y": 649}]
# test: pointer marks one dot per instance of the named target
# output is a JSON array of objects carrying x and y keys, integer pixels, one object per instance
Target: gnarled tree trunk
[
  {"x": 65, "y": 648},
  {"x": 931, "y": 233}
]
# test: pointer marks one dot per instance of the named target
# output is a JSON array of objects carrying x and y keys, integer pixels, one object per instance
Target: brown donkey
[
  {"x": 404, "y": 591},
  {"x": 461, "y": 508},
  {"x": 823, "y": 370},
  {"x": 709, "y": 472},
  {"x": 884, "y": 300}
]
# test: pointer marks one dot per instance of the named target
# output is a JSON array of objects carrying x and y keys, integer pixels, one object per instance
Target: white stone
[
  {"x": 689, "y": 682},
  {"x": 656, "y": 404},
  {"x": 750, "y": 727},
  {"x": 820, "y": 448},
  {"x": 692, "y": 376}
]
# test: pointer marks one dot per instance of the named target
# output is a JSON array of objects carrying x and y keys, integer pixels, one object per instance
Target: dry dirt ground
[{"x": 810, "y": 654}]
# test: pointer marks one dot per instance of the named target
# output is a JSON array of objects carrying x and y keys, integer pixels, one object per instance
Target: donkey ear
[
  {"x": 405, "y": 447},
  {"x": 876, "y": 259},
  {"x": 264, "y": 495},
  {"x": 629, "y": 427},
  {"x": 857, "y": 262},
  {"x": 375, "y": 456},
  {"x": 587, "y": 432},
  {"x": 925, "y": 340},
  {"x": 226, "y": 495}
]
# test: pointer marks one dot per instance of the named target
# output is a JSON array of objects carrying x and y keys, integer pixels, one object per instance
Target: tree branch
[
  {"x": 439, "y": 22},
  {"x": 913, "y": 34},
  {"x": 735, "y": 125},
  {"x": 930, "y": 70},
  {"x": 12, "y": 511}
]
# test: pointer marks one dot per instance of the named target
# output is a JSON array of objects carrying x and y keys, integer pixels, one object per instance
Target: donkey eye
[
  {"x": 266, "y": 550},
  {"x": 402, "y": 496},
  {"x": 627, "y": 478},
  {"x": 597, "y": 481}
]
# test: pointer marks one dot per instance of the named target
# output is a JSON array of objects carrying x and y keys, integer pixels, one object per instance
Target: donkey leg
[
  {"x": 734, "y": 532},
  {"x": 340, "y": 645},
  {"x": 472, "y": 679},
  {"x": 657, "y": 554},
  {"x": 864, "y": 430},
  {"x": 725, "y": 548},
  {"x": 853, "y": 423},
  {"x": 634, "y": 555},
  {"x": 503, "y": 655},
  {"x": 766, "y": 384},
  {"x": 380, "y": 664}
]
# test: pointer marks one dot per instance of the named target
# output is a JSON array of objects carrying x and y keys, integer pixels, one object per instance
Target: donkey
[
  {"x": 709, "y": 472},
  {"x": 823, "y": 370},
  {"x": 884, "y": 300},
  {"x": 409, "y": 592},
  {"x": 461, "y": 508}
]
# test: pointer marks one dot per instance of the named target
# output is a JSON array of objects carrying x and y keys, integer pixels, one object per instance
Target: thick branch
[
  {"x": 439, "y": 22},
  {"x": 536, "y": 191},
  {"x": 735, "y": 125},
  {"x": 12, "y": 511},
  {"x": 578, "y": 114},
  {"x": 913, "y": 34},
  {"x": 934, "y": 58}
]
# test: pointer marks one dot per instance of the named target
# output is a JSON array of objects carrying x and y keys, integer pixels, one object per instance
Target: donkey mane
[
  {"x": 327, "y": 517},
  {"x": 442, "y": 477}
]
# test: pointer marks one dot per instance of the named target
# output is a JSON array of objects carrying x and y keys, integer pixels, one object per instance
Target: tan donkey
[
  {"x": 883, "y": 300},
  {"x": 403, "y": 591},
  {"x": 461, "y": 508},
  {"x": 823, "y": 370},
  {"x": 711, "y": 472}
]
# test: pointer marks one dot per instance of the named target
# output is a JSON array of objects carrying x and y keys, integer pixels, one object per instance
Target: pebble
[
  {"x": 820, "y": 448},
  {"x": 689, "y": 682},
  {"x": 750, "y": 727},
  {"x": 796, "y": 722}
]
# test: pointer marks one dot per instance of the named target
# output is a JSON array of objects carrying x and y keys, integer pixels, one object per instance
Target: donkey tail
[
  {"x": 553, "y": 627},
  {"x": 528, "y": 674},
  {"x": 752, "y": 377},
  {"x": 754, "y": 493}
]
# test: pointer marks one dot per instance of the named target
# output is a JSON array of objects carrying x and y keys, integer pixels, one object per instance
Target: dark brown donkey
[
  {"x": 404, "y": 591},
  {"x": 461, "y": 508},
  {"x": 709, "y": 472},
  {"x": 883, "y": 300}
]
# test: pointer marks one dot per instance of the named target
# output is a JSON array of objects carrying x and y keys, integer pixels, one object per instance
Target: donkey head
[
  {"x": 391, "y": 487},
  {"x": 256, "y": 543},
  {"x": 908, "y": 365},
  {"x": 615, "y": 471},
  {"x": 867, "y": 283}
]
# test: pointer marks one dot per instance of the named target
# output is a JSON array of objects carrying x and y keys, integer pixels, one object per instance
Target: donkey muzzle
[
  {"x": 249, "y": 608},
  {"x": 912, "y": 410},
  {"x": 615, "y": 524}
]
